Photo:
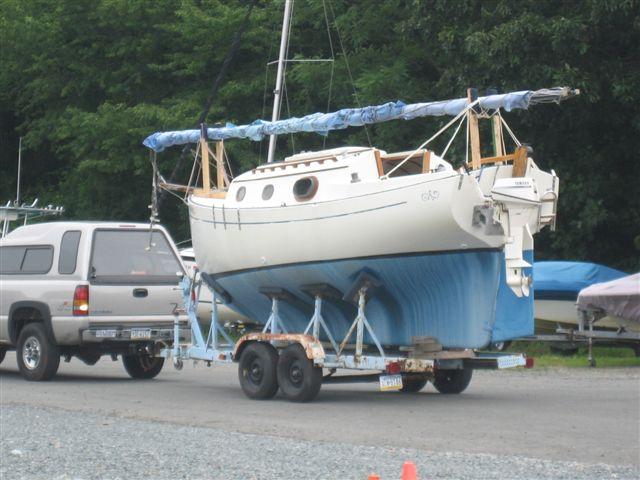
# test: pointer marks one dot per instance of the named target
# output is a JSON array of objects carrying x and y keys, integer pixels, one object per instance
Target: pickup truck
[{"x": 88, "y": 289}]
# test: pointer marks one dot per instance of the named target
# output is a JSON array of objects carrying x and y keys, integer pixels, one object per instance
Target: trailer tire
[
  {"x": 38, "y": 358},
  {"x": 413, "y": 382},
  {"x": 143, "y": 366},
  {"x": 300, "y": 380},
  {"x": 3, "y": 352},
  {"x": 452, "y": 381},
  {"x": 257, "y": 371}
]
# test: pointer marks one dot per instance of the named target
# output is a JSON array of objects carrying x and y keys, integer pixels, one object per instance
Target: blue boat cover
[
  {"x": 322, "y": 123},
  {"x": 560, "y": 278}
]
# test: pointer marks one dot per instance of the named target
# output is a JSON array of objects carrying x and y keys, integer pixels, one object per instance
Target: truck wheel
[
  {"x": 38, "y": 358},
  {"x": 299, "y": 379},
  {"x": 143, "y": 366},
  {"x": 412, "y": 383},
  {"x": 257, "y": 371},
  {"x": 452, "y": 381}
]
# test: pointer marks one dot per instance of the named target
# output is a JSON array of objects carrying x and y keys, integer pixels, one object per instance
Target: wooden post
[
  {"x": 204, "y": 150},
  {"x": 220, "y": 164},
  {"x": 474, "y": 132},
  {"x": 497, "y": 135},
  {"x": 520, "y": 162}
]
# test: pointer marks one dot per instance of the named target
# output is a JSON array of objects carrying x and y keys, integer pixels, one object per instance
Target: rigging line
[
  {"x": 303, "y": 60},
  {"x": 233, "y": 48},
  {"x": 444, "y": 152},
  {"x": 286, "y": 99},
  {"x": 513, "y": 137},
  {"x": 346, "y": 61},
  {"x": 193, "y": 168},
  {"x": 333, "y": 65},
  {"x": 434, "y": 136}
]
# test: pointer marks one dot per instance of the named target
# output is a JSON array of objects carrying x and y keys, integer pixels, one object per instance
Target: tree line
[{"x": 85, "y": 81}]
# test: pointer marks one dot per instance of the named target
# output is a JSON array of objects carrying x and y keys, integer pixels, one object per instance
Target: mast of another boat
[{"x": 277, "y": 98}]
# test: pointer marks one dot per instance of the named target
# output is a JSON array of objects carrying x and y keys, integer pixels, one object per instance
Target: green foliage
[{"x": 85, "y": 81}]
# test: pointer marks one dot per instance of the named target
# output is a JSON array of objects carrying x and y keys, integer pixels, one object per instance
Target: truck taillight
[{"x": 81, "y": 300}]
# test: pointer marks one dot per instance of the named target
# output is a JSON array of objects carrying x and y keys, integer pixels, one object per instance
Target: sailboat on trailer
[{"x": 449, "y": 251}]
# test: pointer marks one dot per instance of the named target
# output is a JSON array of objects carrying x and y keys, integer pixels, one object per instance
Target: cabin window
[
  {"x": 68, "y": 252},
  {"x": 242, "y": 191},
  {"x": 267, "y": 192},
  {"x": 305, "y": 188}
]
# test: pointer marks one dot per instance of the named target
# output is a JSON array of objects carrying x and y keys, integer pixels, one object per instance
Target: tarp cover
[
  {"x": 322, "y": 123},
  {"x": 619, "y": 297},
  {"x": 564, "y": 280}
]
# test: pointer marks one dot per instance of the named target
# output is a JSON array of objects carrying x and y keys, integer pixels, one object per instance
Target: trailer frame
[{"x": 392, "y": 364}]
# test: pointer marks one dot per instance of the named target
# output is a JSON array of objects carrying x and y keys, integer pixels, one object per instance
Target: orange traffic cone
[
  {"x": 409, "y": 471},
  {"x": 373, "y": 476}
]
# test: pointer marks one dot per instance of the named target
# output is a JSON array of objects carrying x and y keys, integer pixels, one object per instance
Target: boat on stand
[{"x": 444, "y": 252}]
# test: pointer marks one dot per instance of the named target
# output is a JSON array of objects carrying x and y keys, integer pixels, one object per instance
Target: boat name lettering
[{"x": 430, "y": 195}]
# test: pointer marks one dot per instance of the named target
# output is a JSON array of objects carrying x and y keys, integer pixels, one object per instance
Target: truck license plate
[
  {"x": 106, "y": 334},
  {"x": 390, "y": 382},
  {"x": 141, "y": 334}
]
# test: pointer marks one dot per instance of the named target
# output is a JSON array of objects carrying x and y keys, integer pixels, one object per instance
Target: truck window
[
  {"x": 125, "y": 257},
  {"x": 68, "y": 252},
  {"x": 11, "y": 259},
  {"x": 37, "y": 260}
]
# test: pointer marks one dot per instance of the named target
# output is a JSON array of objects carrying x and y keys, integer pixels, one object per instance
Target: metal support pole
[{"x": 277, "y": 98}]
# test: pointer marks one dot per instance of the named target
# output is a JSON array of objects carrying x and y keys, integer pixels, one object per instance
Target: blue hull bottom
[{"x": 454, "y": 297}]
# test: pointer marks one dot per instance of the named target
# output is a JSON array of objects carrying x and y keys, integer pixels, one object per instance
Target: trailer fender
[{"x": 312, "y": 347}]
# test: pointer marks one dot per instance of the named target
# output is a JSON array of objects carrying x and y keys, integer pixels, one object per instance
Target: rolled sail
[{"x": 322, "y": 123}]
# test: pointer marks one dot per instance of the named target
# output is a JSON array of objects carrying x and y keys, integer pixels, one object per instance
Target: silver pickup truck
[{"x": 88, "y": 289}]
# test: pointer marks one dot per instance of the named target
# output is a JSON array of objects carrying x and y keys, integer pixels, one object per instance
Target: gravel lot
[{"x": 41, "y": 443}]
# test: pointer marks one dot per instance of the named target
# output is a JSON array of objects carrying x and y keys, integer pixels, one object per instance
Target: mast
[{"x": 277, "y": 98}]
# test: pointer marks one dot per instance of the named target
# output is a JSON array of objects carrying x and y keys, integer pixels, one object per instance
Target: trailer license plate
[
  {"x": 106, "y": 334},
  {"x": 390, "y": 382},
  {"x": 141, "y": 334}
]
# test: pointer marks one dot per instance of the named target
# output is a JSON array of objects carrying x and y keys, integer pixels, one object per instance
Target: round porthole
[
  {"x": 242, "y": 191},
  {"x": 305, "y": 188},
  {"x": 267, "y": 192}
]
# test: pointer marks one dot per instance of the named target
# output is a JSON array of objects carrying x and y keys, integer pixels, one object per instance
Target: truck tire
[
  {"x": 38, "y": 358},
  {"x": 143, "y": 366},
  {"x": 257, "y": 371},
  {"x": 452, "y": 381},
  {"x": 413, "y": 382},
  {"x": 299, "y": 379}
]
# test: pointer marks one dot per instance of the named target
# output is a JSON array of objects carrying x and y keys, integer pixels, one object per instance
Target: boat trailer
[{"x": 294, "y": 361}]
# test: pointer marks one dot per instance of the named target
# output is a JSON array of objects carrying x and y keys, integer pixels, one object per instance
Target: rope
[
  {"x": 333, "y": 64},
  {"x": 346, "y": 61},
  {"x": 437, "y": 134},
  {"x": 513, "y": 137},
  {"x": 444, "y": 152},
  {"x": 233, "y": 48}
]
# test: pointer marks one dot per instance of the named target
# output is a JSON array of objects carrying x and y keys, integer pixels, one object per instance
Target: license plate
[
  {"x": 141, "y": 334},
  {"x": 106, "y": 333},
  {"x": 390, "y": 382}
]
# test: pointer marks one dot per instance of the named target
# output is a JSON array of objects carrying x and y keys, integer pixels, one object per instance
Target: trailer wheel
[
  {"x": 257, "y": 371},
  {"x": 412, "y": 383},
  {"x": 3, "y": 352},
  {"x": 300, "y": 380},
  {"x": 452, "y": 381},
  {"x": 143, "y": 366}
]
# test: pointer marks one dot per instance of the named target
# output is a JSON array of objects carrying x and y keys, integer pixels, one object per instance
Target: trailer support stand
[
  {"x": 317, "y": 321},
  {"x": 359, "y": 324},
  {"x": 274, "y": 323}
]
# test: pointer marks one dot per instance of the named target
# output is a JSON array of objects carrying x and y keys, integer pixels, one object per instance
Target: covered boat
[
  {"x": 617, "y": 301},
  {"x": 557, "y": 285}
]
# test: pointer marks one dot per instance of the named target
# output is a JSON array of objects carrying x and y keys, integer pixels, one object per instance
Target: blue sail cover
[
  {"x": 564, "y": 280},
  {"x": 322, "y": 123}
]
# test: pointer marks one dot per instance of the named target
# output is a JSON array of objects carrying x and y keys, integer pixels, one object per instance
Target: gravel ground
[{"x": 45, "y": 443}]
